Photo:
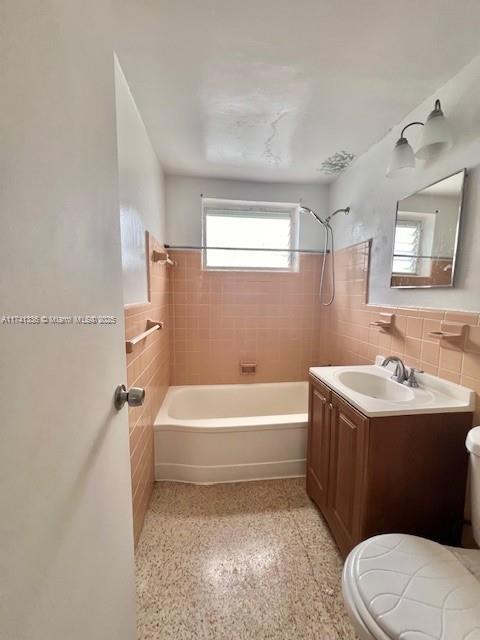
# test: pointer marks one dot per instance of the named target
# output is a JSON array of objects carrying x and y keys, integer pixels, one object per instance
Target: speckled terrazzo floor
[{"x": 238, "y": 561}]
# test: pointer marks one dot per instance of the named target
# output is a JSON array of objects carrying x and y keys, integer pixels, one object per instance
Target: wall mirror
[{"x": 426, "y": 235}]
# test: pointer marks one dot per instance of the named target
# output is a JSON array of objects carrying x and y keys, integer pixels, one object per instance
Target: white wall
[
  {"x": 141, "y": 187},
  {"x": 373, "y": 197},
  {"x": 184, "y": 215},
  {"x": 66, "y": 540}
]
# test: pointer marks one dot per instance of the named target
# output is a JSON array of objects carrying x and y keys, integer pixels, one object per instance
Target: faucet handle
[{"x": 411, "y": 381}]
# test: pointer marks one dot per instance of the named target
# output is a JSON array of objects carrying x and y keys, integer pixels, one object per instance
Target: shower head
[
  {"x": 328, "y": 237},
  {"x": 346, "y": 211},
  {"x": 325, "y": 222},
  {"x": 311, "y": 212}
]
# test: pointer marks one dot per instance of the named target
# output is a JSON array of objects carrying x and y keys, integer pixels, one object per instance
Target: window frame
[
  {"x": 245, "y": 207},
  {"x": 413, "y": 257}
]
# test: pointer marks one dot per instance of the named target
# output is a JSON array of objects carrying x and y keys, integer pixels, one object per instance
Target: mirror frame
[{"x": 457, "y": 235}]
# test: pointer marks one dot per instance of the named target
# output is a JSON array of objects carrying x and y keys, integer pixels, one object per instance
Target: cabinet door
[
  {"x": 318, "y": 444},
  {"x": 348, "y": 448}
]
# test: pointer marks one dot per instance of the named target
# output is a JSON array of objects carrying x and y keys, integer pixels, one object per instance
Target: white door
[{"x": 66, "y": 549}]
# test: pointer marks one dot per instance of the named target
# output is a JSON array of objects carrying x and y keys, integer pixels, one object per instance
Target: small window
[
  {"x": 407, "y": 246},
  {"x": 236, "y": 234}
]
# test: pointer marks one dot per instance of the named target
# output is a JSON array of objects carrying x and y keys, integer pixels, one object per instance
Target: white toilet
[{"x": 403, "y": 587}]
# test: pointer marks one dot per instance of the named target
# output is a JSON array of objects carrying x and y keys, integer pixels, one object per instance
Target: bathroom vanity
[{"x": 383, "y": 458}]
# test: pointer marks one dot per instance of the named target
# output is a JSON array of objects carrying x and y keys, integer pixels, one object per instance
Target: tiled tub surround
[
  {"x": 220, "y": 318},
  {"x": 148, "y": 366},
  {"x": 347, "y": 338}
]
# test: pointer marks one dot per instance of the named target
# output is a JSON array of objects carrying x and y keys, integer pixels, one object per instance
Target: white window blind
[
  {"x": 240, "y": 226},
  {"x": 407, "y": 245}
]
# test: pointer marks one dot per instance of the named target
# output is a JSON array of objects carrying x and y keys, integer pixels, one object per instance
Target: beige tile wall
[
  {"x": 347, "y": 337},
  {"x": 221, "y": 318},
  {"x": 148, "y": 366}
]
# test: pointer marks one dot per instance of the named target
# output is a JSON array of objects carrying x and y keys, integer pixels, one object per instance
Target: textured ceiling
[{"x": 271, "y": 89}]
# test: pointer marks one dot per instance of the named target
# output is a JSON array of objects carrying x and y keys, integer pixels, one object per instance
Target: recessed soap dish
[{"x": 248, "y": 368}]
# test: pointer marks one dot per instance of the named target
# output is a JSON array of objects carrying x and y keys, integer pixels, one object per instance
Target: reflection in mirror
[{"x": 426, "y": 235}]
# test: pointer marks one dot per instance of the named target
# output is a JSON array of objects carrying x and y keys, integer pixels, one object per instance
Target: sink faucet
[{"x": 400, "y": 374}]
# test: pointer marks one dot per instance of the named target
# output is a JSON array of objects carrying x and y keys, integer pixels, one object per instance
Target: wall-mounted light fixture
[{"x": 435, "y": 137}]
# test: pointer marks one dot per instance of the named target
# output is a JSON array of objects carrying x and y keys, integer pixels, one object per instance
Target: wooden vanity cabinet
[
  {"x": 318, "y": 456},
  {"x": 403, "y": 474}
]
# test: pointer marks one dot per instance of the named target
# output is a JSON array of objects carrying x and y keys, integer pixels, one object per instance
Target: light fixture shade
[
  {"x": 436, "y": 134},
  {"x": 402, "y": 158}
]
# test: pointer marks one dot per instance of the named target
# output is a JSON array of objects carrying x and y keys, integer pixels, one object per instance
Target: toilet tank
[{"x": 473, "y": 446}]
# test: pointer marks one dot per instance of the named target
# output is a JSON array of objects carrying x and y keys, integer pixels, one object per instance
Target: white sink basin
[
  {"x": 370, "y": 389},
  {"x": 375, "y": 386}
]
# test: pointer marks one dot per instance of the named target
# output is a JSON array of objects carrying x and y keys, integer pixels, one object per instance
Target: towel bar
[{"x": 151, "y": 328}]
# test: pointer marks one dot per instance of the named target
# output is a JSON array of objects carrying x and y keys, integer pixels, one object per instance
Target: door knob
[{"x": 134, "y": 397}]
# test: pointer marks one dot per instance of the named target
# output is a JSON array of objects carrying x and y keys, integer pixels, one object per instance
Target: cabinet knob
[{"x": 331, "y": 406}]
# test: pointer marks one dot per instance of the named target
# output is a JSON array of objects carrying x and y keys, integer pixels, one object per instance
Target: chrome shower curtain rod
[{"x": 203, "y": 247}]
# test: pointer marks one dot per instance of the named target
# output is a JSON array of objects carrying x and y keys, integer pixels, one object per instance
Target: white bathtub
[{"x": 230, "y": 433}]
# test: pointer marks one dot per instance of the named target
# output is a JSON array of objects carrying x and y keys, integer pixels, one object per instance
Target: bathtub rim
[{"x": 164, "y": 422}]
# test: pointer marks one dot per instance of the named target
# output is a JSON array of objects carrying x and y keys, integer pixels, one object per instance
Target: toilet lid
[{"x": 410, "y": 588}]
